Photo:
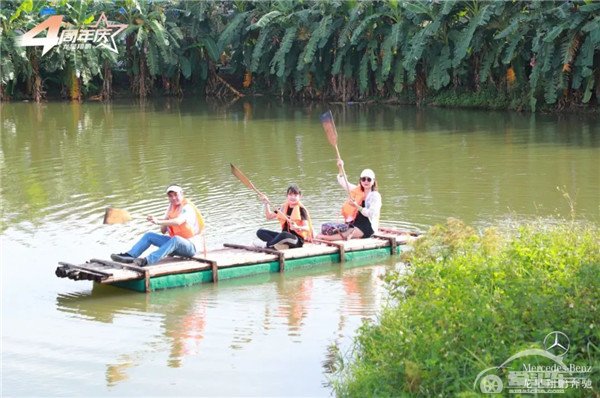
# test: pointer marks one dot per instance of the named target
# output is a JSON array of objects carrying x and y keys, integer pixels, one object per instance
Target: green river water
[{"x": 62, "y": 164}]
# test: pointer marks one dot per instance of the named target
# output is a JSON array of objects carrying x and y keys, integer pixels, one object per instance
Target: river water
[{"x": 62, "y": 164}]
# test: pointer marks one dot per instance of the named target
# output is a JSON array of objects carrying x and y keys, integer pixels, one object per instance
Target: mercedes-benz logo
[{"x": 557, "y": 343}]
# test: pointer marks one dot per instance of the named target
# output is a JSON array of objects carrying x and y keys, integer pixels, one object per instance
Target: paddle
[
  {"x": 246, "y": 181},
  {"x": 331, "y": 133},
  {"x": 116, "y": 216},
  {"x": 121, "y": 216},
  {"x": 240, "y": 176}
]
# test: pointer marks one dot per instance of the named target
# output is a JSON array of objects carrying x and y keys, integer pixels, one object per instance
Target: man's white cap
[
  {"x": 368, "y": 173},
  {"x": 175, "y": 188}
]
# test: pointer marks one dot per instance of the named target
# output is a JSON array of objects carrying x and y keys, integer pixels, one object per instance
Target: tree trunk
[
  {"x": 74, "y": 86},
  {"x": 106, "y": 93},
  {"x": 34, "y": 82}
]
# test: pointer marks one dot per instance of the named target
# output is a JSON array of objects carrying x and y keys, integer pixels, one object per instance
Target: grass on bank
[{"x": 470, "y": 301}]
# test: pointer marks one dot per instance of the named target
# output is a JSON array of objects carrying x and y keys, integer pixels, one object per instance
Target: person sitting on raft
[
  {"x": 181, "y": 229},
  {"x": 296, "y": 226},
  {"x": 361, "y": 211}
]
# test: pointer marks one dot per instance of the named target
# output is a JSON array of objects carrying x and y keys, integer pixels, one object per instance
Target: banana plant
[
  {"x": 199, "y": 53},
  {"x": 75, "y": 69},
  {"x": 19, "y": 63},
  {"x": 151, "y": 41},
  {"x": 560, "y": 38}
]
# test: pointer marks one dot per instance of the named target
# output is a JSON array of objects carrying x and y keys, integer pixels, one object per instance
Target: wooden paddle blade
[
  {"x": 329, "y": 126},
  {"x": 240, "y": 176},
  {"x": 116, "y": 216}
]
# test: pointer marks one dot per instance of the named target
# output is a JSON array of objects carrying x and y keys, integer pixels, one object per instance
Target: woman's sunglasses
[{"x": 365, "y": 179}]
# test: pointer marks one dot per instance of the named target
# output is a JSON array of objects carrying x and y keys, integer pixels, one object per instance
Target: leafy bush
[{"x": 470, "y": 301}]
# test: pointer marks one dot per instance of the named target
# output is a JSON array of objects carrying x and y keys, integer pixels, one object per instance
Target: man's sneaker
[
  {"x": 122, "y": 258},
  {"x": 140, "y": 261},
  {"x": 281, "y": 246},
  {"x": 259, "y": 243}
]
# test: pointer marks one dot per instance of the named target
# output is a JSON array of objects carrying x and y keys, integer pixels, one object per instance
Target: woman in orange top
[
  {"x": 296, "y": 226},
  {"x": 181, "y": 227}
]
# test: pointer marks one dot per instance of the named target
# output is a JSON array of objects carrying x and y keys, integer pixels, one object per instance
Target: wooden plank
[
  {"x": 339, "y": 245},
  {"x": 231, "y": 257},
  {"x": 175, "y": 268},
  {"x": 82, "y": 268},
  {"x": 279, "y": 254},
  {"x": 215, "y": 272},
  {"x": 165, "y": 267},
  {"x": 114, "y": 264},
  {"x": 308, "y": 250},
  {"x": 364, "y": 244},
  {"x": 147, "y": 281},
  {"x": 213, "y": 266},
  {"x": 252, "y": 248},
  {"x": 398, "y": 231},
  {"x": 391, "y": 240}
]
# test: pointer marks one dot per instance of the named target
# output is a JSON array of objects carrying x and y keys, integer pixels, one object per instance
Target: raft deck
[{"x": 233, "y": 261}]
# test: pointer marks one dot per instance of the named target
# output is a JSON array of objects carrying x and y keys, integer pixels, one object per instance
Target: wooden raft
[{"x": 231, "y": 255}]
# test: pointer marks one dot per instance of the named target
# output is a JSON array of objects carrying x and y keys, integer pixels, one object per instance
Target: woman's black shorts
[{"x": 361, "y": 222}]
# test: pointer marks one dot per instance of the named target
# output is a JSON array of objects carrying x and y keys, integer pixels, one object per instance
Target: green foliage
[
  {"x": 278, "y": 64},
  {"x": 266, "y": 19},
  {"x": 390, "y": 48},
  {"x": 439, "y": 75},
  {"x": 469, "y": 301},
  {"x": 260, "y": 48},
  {"x": 318, "y": 37},
  {"x": 232, "y": 32},
  {"x": 370, "y": 48},
  {"x": 465, "y": 37}
]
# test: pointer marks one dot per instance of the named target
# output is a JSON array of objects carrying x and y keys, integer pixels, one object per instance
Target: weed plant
[{"x": 471, "y": 301}]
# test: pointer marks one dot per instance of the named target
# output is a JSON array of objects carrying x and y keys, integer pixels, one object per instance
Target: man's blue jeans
[{"x": 166, "y": 245}]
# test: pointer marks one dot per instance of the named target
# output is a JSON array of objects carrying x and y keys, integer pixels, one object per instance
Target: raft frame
[{"x": 234, "y": 261}]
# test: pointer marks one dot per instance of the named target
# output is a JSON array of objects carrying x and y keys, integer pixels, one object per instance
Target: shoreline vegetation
[
  {"x": 522, "y": 56},
  {"x": 468, "y": 301}
]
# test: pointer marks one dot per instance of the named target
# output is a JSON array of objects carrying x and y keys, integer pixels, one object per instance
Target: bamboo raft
[{"x": 233, "y": 261}]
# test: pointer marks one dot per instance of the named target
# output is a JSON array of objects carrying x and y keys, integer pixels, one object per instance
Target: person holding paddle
[
  {"x": 296, "y": 225},
  {"x": 361, "y": 210},
  {"x": 181, "y": 228}
]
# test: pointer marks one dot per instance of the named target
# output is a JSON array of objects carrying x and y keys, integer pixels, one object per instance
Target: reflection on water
[
  {"x": 198, "y": 327},
  {"x": 294, "y": 297}
]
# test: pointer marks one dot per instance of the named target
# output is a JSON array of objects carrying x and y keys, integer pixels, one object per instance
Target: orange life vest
[
  {"x": 184, "y": 230},
  {"x": 349, "y": 212},
  {"x": 296, "y": 217}
]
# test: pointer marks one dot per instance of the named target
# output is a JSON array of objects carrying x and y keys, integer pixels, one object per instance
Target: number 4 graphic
[{"x": 52, "y": 24}]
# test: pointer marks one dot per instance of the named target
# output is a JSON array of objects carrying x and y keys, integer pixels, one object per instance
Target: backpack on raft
[{"x": 332, "y": 228}]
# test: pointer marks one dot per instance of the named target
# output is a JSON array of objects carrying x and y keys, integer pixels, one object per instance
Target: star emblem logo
[
  {"x": 557, "y": 343},
  {"x": 106, "y": 32}
]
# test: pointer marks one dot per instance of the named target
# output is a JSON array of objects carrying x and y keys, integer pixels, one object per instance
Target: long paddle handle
[
  {"x": 331, "y": 133},
  {"x": 246, "y": 181}
]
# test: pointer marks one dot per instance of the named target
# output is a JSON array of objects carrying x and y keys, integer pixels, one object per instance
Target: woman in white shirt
[{"x": 362, "y": 209}]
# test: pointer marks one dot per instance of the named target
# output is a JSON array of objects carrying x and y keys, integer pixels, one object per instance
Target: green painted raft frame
[{"x": 234, "y": 261}]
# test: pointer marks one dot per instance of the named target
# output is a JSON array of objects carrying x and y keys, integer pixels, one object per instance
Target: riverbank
[
  {"x": 472, "y": 301},
  {"x": 491, "y": 100}
]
